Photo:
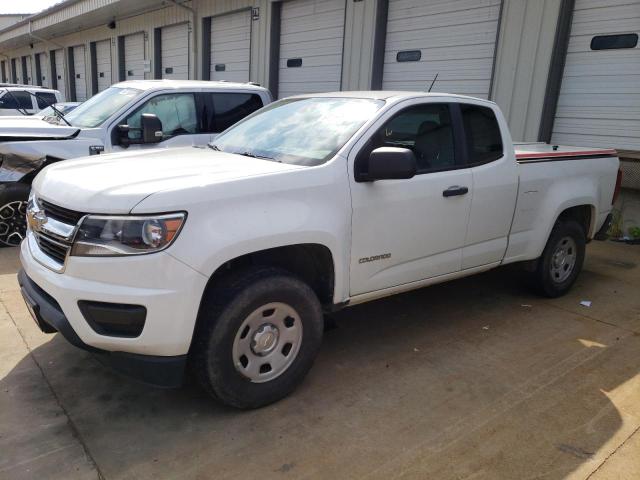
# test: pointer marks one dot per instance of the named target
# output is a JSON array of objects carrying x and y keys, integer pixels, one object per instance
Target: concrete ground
[{"x": 475, "y": 379}]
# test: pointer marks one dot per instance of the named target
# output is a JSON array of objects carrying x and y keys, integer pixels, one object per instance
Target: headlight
[{"x": 127, "y": 235}]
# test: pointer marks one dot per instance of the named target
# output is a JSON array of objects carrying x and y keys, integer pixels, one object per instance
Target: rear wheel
[
  {"x": 13, "y": 213},
  {"x": 258, "y": 335},
  {"x": 561, "y": 260}
]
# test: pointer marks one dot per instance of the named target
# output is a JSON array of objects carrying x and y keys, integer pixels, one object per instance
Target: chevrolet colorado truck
[
  {"x": 223, "y": 259},
  {"x": 128, "y": 116}
]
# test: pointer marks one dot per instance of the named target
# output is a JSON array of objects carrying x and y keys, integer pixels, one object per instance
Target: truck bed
[
  {"x": 552, "y": 178},
  {"x": 540, "y": 152}
]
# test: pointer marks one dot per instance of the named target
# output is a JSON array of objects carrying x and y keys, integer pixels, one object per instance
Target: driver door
[
  {"x": 178, "y": 113},
  {"x": 408, "y": 230}
]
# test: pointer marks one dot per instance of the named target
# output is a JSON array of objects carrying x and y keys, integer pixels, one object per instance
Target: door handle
[{"x": 455, "y": 190}]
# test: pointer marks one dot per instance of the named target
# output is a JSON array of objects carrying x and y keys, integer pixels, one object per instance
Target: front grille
[
  {"x": 54, "y": 248},
  {"x": 61, "y": 214},
  {"x": 51, "y": 245}
]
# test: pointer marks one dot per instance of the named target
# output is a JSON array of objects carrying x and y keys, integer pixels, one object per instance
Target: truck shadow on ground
[{"x": 474, "y": 378}]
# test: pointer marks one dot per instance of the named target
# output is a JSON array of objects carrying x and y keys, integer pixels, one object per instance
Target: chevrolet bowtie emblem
[{"x": 36, "y": 219}]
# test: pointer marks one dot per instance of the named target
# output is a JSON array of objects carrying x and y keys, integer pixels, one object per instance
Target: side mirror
[
  {"x": 391, "y": 163},
  {"x": 151, "y": 127}
]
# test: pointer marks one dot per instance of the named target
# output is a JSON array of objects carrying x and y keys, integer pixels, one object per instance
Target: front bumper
[
  {"x": 169, "y": 291},
  {"x": 154, "y": 370}
]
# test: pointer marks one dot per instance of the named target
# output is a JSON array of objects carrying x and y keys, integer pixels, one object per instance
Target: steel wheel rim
[
  {"x": 267, "y": 342},
  {"x": 563, "y": 259},
  {"x": 13, "y": 223}
]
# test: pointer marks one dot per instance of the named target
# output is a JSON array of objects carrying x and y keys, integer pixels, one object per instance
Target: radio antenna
[{"x": 432, "y": 83}]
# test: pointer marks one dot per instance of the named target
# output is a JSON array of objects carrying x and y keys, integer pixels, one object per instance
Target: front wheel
[
  {"x": 258, "y": 335},
  {"x": 561, "y": 260},
  {"x": 13, "y": 213}
]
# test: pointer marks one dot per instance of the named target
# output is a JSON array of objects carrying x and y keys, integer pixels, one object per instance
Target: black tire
[
  {"x": 225, "y": 308},
  {"x": 13, "y": 211},
  {"x": 549, "y": 278}
]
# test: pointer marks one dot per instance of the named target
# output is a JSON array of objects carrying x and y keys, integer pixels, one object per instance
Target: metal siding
[
  {"x": 175, "y": 51},
  {"x": 312, "y": 30},
  {"x": 231, "y": 46},
  {"x": 456, "y": 40},
  {"x": 134, "y": 56},
  {"x": 103, "y": 64},
  {"x": 599, "y": 102}
]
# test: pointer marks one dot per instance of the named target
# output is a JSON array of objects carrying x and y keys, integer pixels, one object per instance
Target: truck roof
[
  {"x": 164, "y": 83},
  {"x": 388, "y": 94}
]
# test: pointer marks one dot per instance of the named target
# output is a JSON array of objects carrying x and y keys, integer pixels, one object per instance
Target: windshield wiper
[
  {"x": 255, "y": 155},
  {"x": 214, "y": 147},
  {"x": 59, "y": 114},
  {"x": 23, "y": 111}
]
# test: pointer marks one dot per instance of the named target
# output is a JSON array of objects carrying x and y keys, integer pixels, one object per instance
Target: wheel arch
[{"x": 311, "y": 262}]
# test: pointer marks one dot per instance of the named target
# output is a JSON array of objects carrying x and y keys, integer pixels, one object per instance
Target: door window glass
[
  {"x": 13, "y": 100},
  {"x": 45, "y": 99},
  {"x": 230, "y": 108},
  {"x": 484, "y": 141},
  {"x": 424, "y": 129},
  {"x": 177, "y": 112}
]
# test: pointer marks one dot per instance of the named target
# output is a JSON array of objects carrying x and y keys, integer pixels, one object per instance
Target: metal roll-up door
[
  {"x": 29, "y": 70},
  {"x": 134, "y": 56},
  {"x": 231, "y": 47},
  {"x": 17, "y": 64},
  {"x": 599, "y": 102},
  {"x": 103, "y": 64},
  {"x": 454, "y": 39},
  {"x": 45, "y": 78},
  {"x": 174, "y": 51},
  {"x": 60, "y": 73},
  {"x": 80, "y": 72},
  {"x": 311, "y": 40}
]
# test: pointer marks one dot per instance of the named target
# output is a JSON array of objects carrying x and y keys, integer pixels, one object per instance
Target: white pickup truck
[
  {"x": 224, "y": 258},
  {"x": 181, "y": 112}
]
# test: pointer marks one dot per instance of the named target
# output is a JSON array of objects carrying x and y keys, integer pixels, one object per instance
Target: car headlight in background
[{"x": 102, "y": 235}]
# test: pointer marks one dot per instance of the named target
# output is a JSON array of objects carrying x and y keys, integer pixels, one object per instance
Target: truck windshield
[
  {"x": 300, "y": 131},
  {"x": 100, "y": 107}
]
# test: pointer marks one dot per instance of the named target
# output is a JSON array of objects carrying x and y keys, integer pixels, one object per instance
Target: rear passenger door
[
  {"x": 408, "y": 230},
  {"x": 223, "y": 109},
  {"x": 495, "y": 185}
]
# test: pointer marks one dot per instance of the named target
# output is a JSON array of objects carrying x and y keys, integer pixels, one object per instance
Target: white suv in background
[{"x": 26, "y": 99}]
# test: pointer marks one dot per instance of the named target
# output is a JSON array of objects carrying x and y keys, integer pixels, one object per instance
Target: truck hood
[
  {"x": 116, "y": 183},
  {"x": 33, "y": 128}
]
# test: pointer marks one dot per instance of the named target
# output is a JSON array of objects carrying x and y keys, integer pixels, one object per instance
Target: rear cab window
[
  {"x": 227, "y": 108},
  {"x": 45, "y": 99},
  {"x": 483, "y": 136}
]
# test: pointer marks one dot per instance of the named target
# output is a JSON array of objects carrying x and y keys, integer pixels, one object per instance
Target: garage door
[
  {"x": 17, "y": 70},
  {"x": 231, "y": 47},
  {"x": 29, "y": 73},
  {"x": 134, "y": 56},
  {"x": 175, "y": 51},
  {"x": 60, "y": 74},
  {"x": 599, "y": 103},
  {"x": 311, "y": 38},
  {"x": 42, "y": 69},
  {"x": 103, "y": 64},
  {"x": 80, "y": 73},
  {"x": 454, "y": 39}
]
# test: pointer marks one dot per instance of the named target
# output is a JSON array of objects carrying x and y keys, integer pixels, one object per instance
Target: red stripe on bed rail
[{"x": 585, "y": 153}]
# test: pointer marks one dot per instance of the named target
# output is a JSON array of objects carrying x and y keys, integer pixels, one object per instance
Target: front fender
[{"x": 14, "y": 168}]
